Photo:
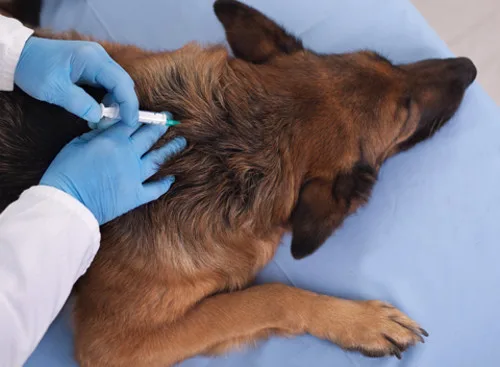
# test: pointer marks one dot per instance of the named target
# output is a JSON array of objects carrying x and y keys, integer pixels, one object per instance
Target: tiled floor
[{"x": 472, "y": 29}]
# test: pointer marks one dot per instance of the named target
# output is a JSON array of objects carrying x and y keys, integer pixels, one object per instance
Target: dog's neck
[{"x": 236, "y": 124}]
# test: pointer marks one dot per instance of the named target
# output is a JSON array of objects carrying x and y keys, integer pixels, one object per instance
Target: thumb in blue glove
[
  {"x": 106, "y": 170},
  {"x": 49, "y": 70}
]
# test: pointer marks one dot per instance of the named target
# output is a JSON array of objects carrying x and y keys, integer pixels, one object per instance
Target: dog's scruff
[{"x": 280, "y": 139}]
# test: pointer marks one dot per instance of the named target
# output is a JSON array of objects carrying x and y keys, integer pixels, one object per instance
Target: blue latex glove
[
  {"x": 105, "y": 170},
  {"x": 48, "y": 70}
]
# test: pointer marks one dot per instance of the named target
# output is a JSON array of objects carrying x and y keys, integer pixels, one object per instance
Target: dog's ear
[
  {"x": 253, "y": 37},
  {"x": 323, "y": 205},
  {"x": 314, "y": 218}
]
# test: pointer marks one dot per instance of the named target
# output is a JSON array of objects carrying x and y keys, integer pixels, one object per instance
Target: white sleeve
[
  {"x": 13, "y": 36},
  {"x": 47, "y": 241}
]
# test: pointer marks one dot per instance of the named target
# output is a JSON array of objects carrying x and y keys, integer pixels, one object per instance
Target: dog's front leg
[{"x": 227, "y": 320}]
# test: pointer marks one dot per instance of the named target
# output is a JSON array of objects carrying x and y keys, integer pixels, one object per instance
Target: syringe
[{"x": 111, "y": 114}]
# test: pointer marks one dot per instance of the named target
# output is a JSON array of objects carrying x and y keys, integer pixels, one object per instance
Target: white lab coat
[
  {"x": 47, "y": 241},
  {"x": 13, "y": 36}
]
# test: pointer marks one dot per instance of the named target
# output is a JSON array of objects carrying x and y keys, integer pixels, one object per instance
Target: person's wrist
[
  {"x": 65, "y": 186},
  {"x": 12, "y": 55},
  {"x": 28, "y": 44}
]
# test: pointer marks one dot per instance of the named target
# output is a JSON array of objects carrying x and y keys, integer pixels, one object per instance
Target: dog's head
[{"x": 350, "y": 112}]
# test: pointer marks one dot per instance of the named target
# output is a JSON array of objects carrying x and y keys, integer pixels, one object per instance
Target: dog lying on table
[{"x": 280, "y": 139}]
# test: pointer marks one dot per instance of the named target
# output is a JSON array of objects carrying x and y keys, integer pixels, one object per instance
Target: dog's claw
[
  {"x": 397, "y": 353},
  {"x": 423, "y": 332},
  {"x": 396, "y": 349},
  {"x": 417, "y": 331}
]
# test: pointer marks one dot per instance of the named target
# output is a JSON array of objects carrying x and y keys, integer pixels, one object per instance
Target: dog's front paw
[{"x": 373, "y": 328}]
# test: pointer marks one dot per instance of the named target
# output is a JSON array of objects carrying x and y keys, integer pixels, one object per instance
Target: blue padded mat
[{"x": 428, "y": 241}]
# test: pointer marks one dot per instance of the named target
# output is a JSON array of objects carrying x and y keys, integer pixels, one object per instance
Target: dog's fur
[
  {"x": 27, "y": 11},
  {"x": 280, "y": 138}
]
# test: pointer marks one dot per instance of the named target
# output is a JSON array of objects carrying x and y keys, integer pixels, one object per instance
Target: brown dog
[{"x": 281, "y": 138}]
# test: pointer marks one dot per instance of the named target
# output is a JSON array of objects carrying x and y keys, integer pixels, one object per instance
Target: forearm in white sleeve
[
  {"x": 47, "y": 241},
  {"x": 13, "y": 36}
]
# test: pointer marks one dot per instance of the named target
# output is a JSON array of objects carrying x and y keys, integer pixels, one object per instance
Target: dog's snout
[
  {"x": 465, "y": 69},
  {"x": 436, "y": 71}
]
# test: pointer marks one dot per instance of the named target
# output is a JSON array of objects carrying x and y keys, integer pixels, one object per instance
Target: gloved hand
[
  {"x": 48, "y": 70},
  {"x": 105, "y": 170}
]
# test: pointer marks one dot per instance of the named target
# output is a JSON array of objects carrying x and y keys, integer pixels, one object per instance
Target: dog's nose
[{"x": 465, "y": 69}]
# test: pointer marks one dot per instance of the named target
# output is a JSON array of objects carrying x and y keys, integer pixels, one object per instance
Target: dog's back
[{"x": 31, "y": 134}]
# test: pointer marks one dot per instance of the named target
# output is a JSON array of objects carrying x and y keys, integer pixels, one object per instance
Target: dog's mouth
[{"x": 425, "y": 130}]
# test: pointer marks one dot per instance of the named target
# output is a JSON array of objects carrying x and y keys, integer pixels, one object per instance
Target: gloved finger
[
  {"x": 80, "y": 103},
  {"x": 108, "y": 99},
  {"x": 103, "y": 71},
  {"x": 88, "y": 62},
  {"x": 154, "y": 190},
  {"x": 105, "y": 123},
  {"x": 119, "y": 128},
  {"x": 88, "y": 136},
  {"x": 105, "y": 57},
  {"x": 144, "y": 138},
  {"x": 121, "y": 86},
  {"x": 152, "y": 161}
]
